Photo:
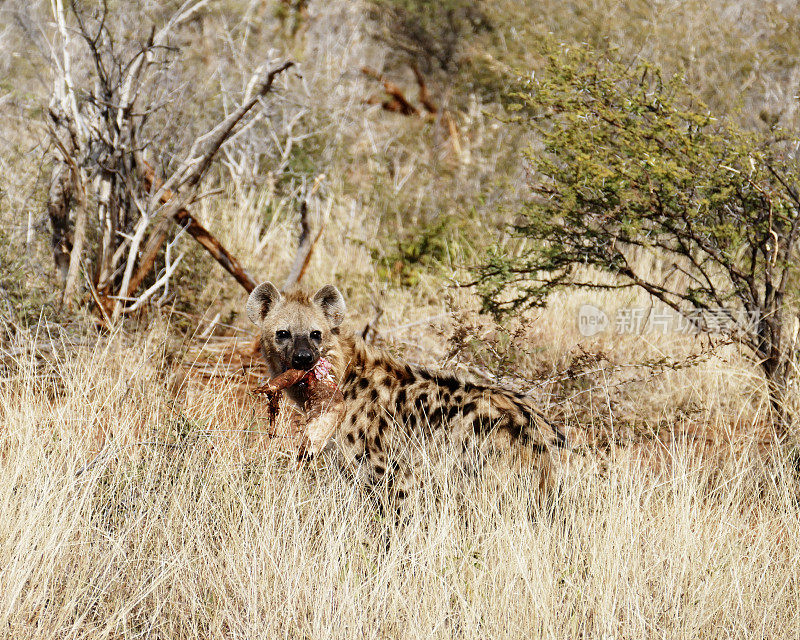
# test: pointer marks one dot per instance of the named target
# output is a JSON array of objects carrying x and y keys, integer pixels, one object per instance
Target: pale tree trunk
[
  {"x": 108, "y": 220},
  {"x": 76, "y": 255},
  {"x": 780, "y": 367}
]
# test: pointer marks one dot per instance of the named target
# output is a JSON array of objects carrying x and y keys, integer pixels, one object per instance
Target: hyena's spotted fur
[{"x": 393, "y": 409}]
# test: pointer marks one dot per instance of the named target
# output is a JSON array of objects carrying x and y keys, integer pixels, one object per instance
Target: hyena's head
[{"x": 296, "y": 330}]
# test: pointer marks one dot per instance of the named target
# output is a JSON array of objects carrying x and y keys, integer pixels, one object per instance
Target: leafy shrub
[{"x": 631, "y": 163}]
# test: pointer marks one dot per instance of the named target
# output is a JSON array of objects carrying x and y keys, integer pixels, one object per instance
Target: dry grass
[{"x": 176, "y": 530}]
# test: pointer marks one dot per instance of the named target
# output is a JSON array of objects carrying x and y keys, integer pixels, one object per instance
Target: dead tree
[{"x": 96, "y": 128}]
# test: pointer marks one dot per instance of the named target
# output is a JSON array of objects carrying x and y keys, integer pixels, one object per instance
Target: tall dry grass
[{"x": 121, "y": 520}]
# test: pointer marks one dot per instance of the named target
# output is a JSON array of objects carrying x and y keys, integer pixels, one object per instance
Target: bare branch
[
  {"x": 101, "y": 140},
  {"x": 65, "y": 90},
  {"x": 195, "y": 166},
  {"x": 305, "y": 244},
  {"x": 163, "y": 281},
  {"x": 136, "y": 241},
  {"x": 305, "y": 248}
]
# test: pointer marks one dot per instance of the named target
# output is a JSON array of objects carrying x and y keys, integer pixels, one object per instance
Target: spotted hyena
[{"x": 392, "y": 410}]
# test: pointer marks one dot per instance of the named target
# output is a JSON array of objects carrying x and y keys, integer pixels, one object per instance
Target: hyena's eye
[
  {"x": 316, "y": 335},
  {"x": 282, "y": 334}
]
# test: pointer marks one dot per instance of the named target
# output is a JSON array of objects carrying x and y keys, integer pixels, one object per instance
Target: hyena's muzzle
[{"x": 304, "y": 355}]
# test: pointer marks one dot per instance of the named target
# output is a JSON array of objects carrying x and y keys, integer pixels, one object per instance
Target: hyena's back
[{"x": 393, "y": 410}]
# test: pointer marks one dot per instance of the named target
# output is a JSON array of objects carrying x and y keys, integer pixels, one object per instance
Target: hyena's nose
[{"x": 302, "y": 359}]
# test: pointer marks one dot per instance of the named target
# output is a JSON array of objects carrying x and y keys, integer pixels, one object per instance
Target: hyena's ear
[
  {"x": 332, "y": 304},
  {"x": 261, "y": 300}
]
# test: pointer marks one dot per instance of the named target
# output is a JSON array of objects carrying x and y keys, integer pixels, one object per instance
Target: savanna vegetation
[{"x": 594, "y": 203}]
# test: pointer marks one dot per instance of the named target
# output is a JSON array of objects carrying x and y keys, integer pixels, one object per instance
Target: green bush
[{"x": 630, "y": 162}]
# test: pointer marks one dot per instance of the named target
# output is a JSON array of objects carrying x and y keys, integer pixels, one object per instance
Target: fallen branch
[
  {"x": 217, "y": 251},
  {"x": 151, "y": 181},
  {"x": 424, "y": 96},
  {"x": 399, "y": 103}
]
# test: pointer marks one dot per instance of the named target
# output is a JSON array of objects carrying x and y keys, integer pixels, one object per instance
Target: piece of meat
[
  {"x": 322, "y": 402},
  {"x": 274, "y": 387},
  {"x": 281, "y": 382}
]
